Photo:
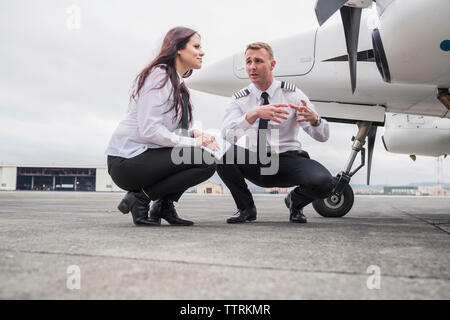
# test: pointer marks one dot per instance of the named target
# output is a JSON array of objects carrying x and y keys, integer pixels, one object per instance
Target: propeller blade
[
  {"x": 370, "y": 145},
  {"x": 351, "y": 19},
  {"x": 326, "y": 8}
]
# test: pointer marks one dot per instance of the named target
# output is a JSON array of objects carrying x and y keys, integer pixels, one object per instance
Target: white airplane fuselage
[{"x": 417, "y": 64}]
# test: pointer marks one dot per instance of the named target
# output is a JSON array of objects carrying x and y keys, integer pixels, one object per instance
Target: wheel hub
[
  {"x": 334, "y": 199},
  {"x": 334, "y": 202}
]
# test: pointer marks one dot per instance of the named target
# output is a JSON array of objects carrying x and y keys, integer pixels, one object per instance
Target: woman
[{"x": 140, "y": 150}]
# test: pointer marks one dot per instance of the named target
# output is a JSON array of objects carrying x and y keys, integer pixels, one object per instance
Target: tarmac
[{"x": 69, "y": 245}]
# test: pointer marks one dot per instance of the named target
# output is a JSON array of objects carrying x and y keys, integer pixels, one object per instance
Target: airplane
[{"x": 399, "y": 78}]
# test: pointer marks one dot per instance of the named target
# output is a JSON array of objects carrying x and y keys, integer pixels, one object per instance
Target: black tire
[{"x": 329, "y": 209}]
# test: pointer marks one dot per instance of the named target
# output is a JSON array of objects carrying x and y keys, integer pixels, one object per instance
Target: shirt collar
[
  {"x": 180, "y": 78},
  {"x": 270, "y": 91}
]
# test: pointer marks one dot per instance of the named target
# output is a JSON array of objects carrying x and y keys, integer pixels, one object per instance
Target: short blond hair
[{"x": 260, "y": 45}]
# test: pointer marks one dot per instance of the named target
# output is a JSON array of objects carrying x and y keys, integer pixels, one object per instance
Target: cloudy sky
[{"x": 67, "y": 67}]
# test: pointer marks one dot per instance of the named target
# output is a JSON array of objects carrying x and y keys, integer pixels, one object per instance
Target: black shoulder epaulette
[
  {"x": 241, "y": 94},
  {"x": 287, "y": 86}
]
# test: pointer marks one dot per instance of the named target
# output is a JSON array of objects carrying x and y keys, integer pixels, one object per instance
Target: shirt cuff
[
  {"x": 187, "y": 141},
  {"x": 243, "y": 123}
]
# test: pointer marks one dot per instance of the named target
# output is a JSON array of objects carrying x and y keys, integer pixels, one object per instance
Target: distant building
[
  {"x": 367, "y": 191},
  {"x": 256, "y": 189},
  {"x": 417, "y": 190},
  {"x": 402, "y": 190},
  {"x": 209, "y": 187},
  {"x": 434, "y": 191},
  {"x": 55, "y": 178},
  {"x": 276, "y": 190}
]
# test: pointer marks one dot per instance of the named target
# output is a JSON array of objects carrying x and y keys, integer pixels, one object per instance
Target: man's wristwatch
[{"x": 318, "y": 122}]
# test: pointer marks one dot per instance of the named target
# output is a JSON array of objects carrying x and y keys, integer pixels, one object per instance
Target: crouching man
[{"x": 275, "y": 111}]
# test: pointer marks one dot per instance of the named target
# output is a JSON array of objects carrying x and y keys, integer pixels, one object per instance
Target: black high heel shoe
[
  {"x": 125, "y": 205},
  {"x": 138, "y": 203}
]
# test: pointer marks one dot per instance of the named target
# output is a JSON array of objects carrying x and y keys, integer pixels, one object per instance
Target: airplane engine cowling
[
  {"x": 412, "y": 43},
  {"x": 417, "y": 135}
]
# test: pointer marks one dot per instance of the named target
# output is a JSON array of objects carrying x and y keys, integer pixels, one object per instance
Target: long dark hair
[{"x": 176, "y": 39}]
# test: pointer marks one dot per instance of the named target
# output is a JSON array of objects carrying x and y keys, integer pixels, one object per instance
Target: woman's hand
[
  {"x": 196, "y": 133},
  {"x": 206, "y": 140}
]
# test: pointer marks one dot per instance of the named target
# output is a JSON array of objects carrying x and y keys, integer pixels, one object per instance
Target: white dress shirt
[
  {"x": 287, "y": 130},
  {"x": 146, "y": 124}
]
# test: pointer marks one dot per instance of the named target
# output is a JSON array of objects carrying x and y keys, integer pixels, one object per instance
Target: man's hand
[
  {"x": 274, "y": 112},
  {"x": 306, "y": 113}
]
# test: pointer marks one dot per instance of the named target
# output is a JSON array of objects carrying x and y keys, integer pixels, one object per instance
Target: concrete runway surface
[{"x": 386, "y": 248}]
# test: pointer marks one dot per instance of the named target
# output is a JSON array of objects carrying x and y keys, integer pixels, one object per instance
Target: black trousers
[
  {"x": 312, "y": 179},
  {"x": 158, "y": 175}
]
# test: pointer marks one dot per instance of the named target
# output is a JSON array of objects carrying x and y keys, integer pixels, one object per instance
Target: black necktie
[
  {"x": 185, "y": 117},
  {"x": 263, "y": 123}
]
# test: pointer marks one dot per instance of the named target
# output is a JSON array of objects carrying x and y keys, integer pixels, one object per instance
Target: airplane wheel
[{"x": 335, "y": 207}]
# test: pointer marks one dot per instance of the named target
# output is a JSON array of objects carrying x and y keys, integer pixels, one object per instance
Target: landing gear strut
[{"x": 340, "y": 201}]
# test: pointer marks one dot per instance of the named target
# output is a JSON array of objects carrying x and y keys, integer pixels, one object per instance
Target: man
[{"x": 276, "y": 110}]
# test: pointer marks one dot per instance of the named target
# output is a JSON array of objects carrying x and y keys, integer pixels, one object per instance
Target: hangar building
[{"x": 55, "y": 178}]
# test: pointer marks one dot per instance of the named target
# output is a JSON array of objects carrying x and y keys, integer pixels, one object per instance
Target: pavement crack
[
  {"x": 434, "y": 224},
  {"x": 209, "y": 264}
]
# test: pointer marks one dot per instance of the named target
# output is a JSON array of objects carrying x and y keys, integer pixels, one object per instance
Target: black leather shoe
[
  {"x": 138, "y": 204},
  {"x": 243, "y": 215},
  {"x": 166, "y": 210},
  {"x": 296, "y": 214}
]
